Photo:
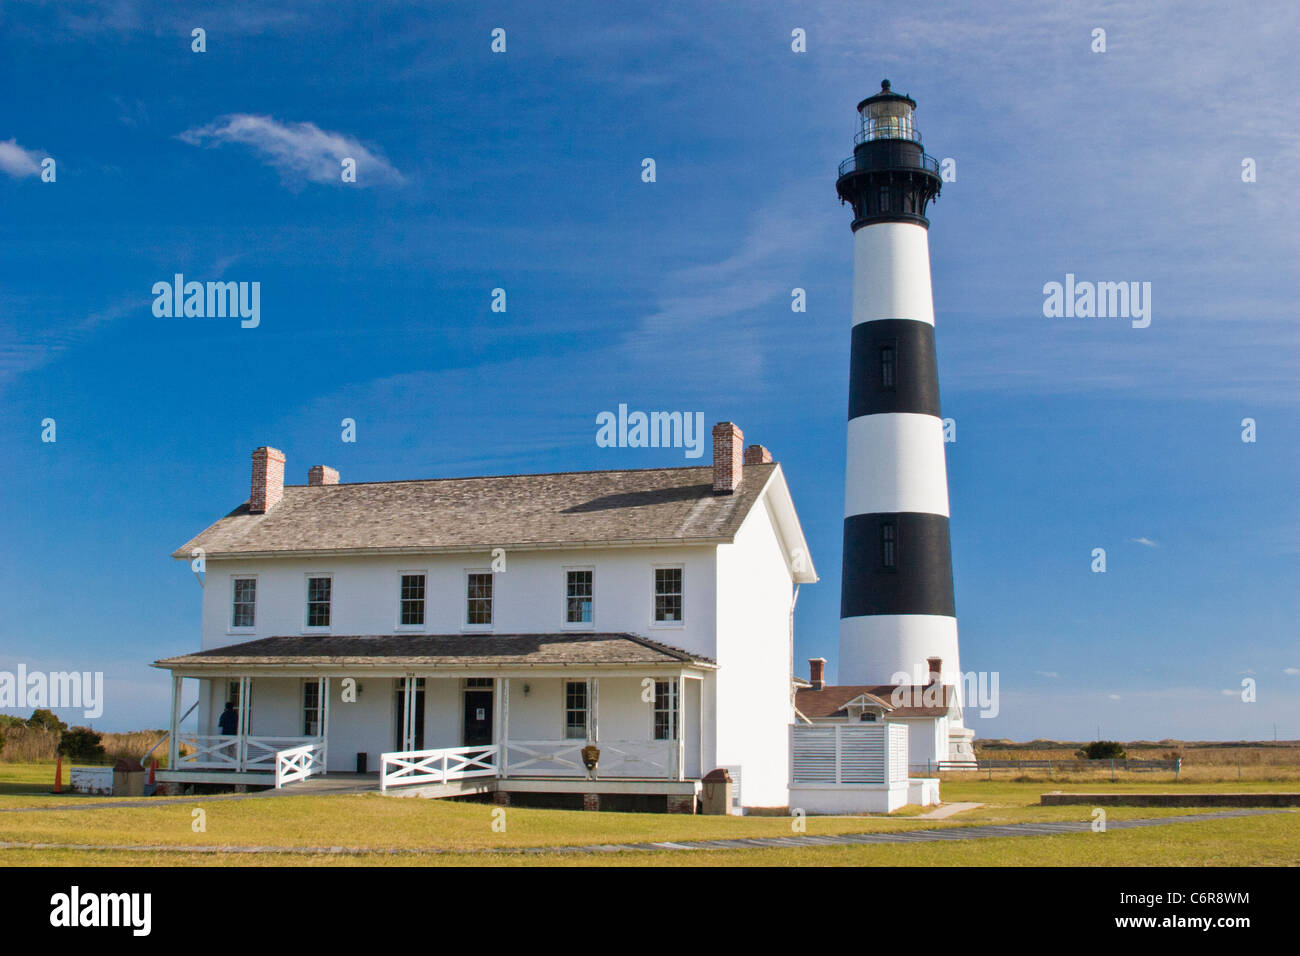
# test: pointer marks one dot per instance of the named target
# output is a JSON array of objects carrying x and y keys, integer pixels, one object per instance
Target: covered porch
[{"x": 510, "y": 712}]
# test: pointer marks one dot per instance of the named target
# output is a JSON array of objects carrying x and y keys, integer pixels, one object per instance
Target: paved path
[
  {"x": 947, "y": 810},
  {"x": 742, "y": 843}
]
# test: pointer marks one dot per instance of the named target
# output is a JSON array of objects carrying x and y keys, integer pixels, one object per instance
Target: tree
[
  {"x": 81, "y": 743},
  {"x": 46, "y": 720}
]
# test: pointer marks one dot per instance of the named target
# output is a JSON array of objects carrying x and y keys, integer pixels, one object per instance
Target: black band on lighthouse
[
  {"x": 893, "y": 368},
  {"x": 920, "y": 580}
]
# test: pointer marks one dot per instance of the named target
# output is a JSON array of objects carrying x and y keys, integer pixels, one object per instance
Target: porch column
[
  {"x": 699, "y": 728},
  {"x": 173, "y": 745},
  {"x": 324, "y": 724},
  {"x": 681, "y": 727},
  {"x": 503, "y": 762},
  {"x": 245, "y": 711},
  {"x": 408, "y": 713},
  {"x": 593, "y": 697}
]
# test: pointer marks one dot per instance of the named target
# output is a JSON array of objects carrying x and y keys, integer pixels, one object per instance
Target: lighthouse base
[{"x": 961, "y": 746}]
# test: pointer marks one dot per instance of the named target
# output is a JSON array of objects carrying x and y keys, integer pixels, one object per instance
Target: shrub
[
  {"x": 1102, "y": 750},
  {"x": 81, "y": 743}
]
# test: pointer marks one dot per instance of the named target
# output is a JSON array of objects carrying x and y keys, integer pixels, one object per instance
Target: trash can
[
  {"x": 361, "y": 763},
  {"x": 128, "y": 778},
  {"x": 716, "y": 797}
]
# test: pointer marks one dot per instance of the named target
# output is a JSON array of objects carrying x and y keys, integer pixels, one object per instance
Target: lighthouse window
[
  {"x": 887, "y": 366},
  {"x": 884, "y": 199},
  {"x": 889, "y": 545}
]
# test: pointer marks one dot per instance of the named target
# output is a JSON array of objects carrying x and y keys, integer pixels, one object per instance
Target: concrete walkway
[
  {"x": 741, "y": 843},
  {"x": 947, "y": 810}
]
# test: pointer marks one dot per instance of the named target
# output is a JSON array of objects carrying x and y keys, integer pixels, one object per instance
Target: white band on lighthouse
[
  {"x": 883, "y": 645},
  {"x": 891, "y": 273},
  {"x": 895, "y": 463}
]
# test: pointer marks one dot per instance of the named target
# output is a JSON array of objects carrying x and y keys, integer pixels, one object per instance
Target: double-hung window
[
  {"x": 412, "y": 601},
  {"x": 668, "y": 595},
  {"x": 311, "y": 708},
  {"x": 666, "y": 710},
  {"x": 319, "y": 590},
  {"x": 575, "y": 710},
  {"x": 478, "y": 599},
  {"x": 578, "y": 597},
  {"x": 244, "y": 608}
]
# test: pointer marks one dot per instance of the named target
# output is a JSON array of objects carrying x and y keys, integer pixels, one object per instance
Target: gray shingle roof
[
  {"x": 664, "y": 505},
  {"x": 440, "y": 650}
]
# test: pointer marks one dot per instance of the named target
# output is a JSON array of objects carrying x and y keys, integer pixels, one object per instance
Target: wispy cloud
[
  {"x": 18, "y": 162},
  {"x": 1291, "y": 671},
  {"x": 1145, "y": 542},
  {"x": 299, "y": 151},
  {"x": 1050, "y": 674}
]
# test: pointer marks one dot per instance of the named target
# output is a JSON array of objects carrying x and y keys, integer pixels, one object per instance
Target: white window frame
[
  {"x": 565, "y": 623},
  {"x": 675, "y": 711},
  {"x": 680, "y": 623},
  {"x": 398, "y": 626},
  {"x": 320, "y": 706},
  {"x": 230, "y": 617},
  {"x": 585, "y": 709},
  {"x": 465, "y": 625},
  {"x": 306, "y": 602}
]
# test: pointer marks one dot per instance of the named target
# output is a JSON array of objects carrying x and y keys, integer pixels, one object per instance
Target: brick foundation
[
  {"x": 681, "y": 803},
  {"x": 591, "y": 801}
]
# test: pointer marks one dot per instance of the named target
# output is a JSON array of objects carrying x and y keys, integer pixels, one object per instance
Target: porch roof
[{"x": 447, "y": 651}]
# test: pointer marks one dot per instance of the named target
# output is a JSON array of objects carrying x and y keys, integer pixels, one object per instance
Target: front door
[{"x": 478, "y": 718}]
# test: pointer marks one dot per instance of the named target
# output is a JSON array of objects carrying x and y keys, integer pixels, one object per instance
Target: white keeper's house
[{"x": 481, "y": 632}]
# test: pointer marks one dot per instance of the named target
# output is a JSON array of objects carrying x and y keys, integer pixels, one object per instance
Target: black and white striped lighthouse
[{"x": 896, "y": 604}]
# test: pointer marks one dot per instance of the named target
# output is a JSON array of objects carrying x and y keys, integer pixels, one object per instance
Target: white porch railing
[
  {"x": 436, "y": 766},
  {"x": 222, "y": 752},
  {"x": 618, "y": 758},
  {"x": 848, "y": 754},
  {"x": 209, "y": 751},
  {"x": 259, "y": 752},
  {"x": 298, "y": 763}
]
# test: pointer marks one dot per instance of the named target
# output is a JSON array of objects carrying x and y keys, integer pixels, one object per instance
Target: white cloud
[
  {"x": 300, "y": 151},
  {"x": 1114, "y": 696},
  {"x": 1147, "y": 542},
  {"x": 1051, "y": 674},
  {"x": 1291, "y": 671},
  {"x": 19, "y": 162}
]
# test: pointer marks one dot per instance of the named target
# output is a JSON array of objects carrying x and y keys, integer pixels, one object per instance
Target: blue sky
[{"x": 522, "y": 171}]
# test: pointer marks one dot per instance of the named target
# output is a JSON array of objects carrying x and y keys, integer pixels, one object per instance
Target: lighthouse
[{"x": 897, "y": 613}]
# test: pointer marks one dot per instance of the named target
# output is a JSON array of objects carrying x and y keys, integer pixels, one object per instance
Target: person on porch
[{"x": 229, "y": 720}]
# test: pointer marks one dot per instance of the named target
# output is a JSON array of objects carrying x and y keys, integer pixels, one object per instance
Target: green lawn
[
  {"x": 372, "y": 822},
  {"x": 1257, "y": 841}
]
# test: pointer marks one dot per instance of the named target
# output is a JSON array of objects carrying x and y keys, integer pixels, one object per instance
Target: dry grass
[
  {"x": 24, "y": 744},
  {"x": 1202, "y": 761}
]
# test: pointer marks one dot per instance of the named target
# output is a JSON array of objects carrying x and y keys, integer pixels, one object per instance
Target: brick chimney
[
  {"x": 936, "y": 669},
  {"x": 817, "y": 672},
  {"x": 268, "y": 480},
  {"x": 322, "y": 475},
  {"x": 728, "y": 457},
  {"x": 757, "y": 455}
]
